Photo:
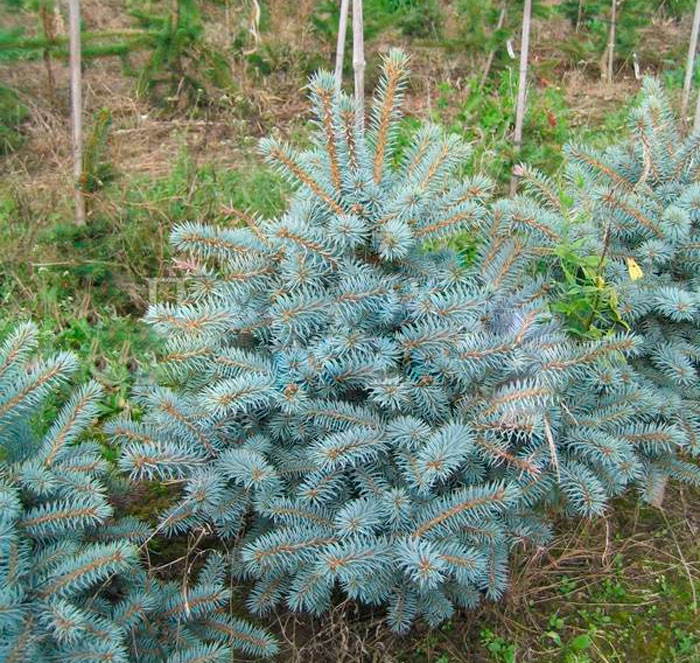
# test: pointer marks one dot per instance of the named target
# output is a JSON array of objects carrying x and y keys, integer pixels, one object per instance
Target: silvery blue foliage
[
  {"x": 638, "y": 205},
  {"x": 349, "y": 410},
  {"x": 72, "y": 585}
]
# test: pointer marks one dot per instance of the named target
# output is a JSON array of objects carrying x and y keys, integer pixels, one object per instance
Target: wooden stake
[
  {"x": 358, "y": 59},
  {"x": 696, "y": 122},
  {"x": 340, "y": 49},
  {"x": 76, "y": 108},
  {"x": 522, "y": 87},
  {"x": 690, "y": 62}
]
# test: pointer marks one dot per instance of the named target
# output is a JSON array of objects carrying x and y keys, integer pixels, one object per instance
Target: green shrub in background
[
  {"x": 591, "y": 20},
  {"x": 12, "y": 113},
  {"x": 477, "y": 22},
  {"x": 181, "y": 64},
  {"x": 485, "y": 118},
  {"x": 97, "y": 171},
  {"x": 413, "y": 18},
  {"x": 181, "y": 60}
]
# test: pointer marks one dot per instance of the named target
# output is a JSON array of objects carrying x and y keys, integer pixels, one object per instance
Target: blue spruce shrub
[
  {"x": 72, "y": 586},
  {"x": 637, "y": 206},
  {"x": 348, "y": 410}
]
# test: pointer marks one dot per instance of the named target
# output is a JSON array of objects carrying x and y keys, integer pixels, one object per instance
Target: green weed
[
  {"x": 500, "y": 649},
  {"x": 485, "y": 117},
  {"x": 12, "y": 113}
]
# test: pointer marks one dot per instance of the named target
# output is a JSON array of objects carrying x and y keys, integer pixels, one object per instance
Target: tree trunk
[
  {"x": 340, "y": 49},
  {"x": 522, "y": 87},
  {"x": 358, "y": 59},
  {"x": 690, "y": 62},
  {"x": 76, "y": 109},
  {"x": 492, "y": 52}
]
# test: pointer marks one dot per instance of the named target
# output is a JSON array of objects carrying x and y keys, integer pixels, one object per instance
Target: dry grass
[{"x": 145, "y": 138}]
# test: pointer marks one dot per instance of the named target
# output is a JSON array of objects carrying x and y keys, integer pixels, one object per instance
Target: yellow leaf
[{"x": 634, "y": 269}]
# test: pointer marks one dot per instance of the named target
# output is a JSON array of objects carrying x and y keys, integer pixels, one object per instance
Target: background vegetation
[{"x": 177, "y": 95}]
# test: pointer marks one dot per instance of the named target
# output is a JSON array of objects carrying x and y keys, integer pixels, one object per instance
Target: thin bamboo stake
[
  {"x": 76, "y": 108},
  {"x": 522, "y": 87},
  {"x": 358, "y": 59},
  {"x": 340, "y": 49},
  {"x": 492, "y": 52},
  {"x": 690, "y": 62},
  {"x": 611, "y": 42}
]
